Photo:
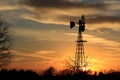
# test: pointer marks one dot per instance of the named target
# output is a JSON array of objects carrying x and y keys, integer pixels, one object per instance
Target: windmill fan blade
[{"x": 72, "y": 24}]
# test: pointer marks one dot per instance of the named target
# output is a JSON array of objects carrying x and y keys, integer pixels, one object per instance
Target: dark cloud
[
  {"x": 61, "y": 4},
  {"x": 91, "y": 19},
  {"x": 63, "y": 11},
  {"x": 104, "y": 19}
]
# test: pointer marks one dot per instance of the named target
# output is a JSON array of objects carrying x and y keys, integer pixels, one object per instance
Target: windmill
[{"x": 79, "y": 62}]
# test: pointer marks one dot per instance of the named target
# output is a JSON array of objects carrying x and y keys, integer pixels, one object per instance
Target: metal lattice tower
[{"x": 79, "y": 62}]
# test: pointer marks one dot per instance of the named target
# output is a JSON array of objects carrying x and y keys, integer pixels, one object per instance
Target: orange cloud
[{"x": 7, "y": 7}]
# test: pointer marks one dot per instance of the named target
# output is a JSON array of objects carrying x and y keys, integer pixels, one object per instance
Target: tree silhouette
[
  {"x": 49, "y": 72},
  {"x": 5, "y": 43}
]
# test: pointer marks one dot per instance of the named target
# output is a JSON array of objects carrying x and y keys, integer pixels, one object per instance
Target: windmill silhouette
[{"x": 79, "y": 62}]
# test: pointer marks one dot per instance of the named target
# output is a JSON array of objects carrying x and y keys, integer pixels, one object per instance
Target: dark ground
[{"x": 49, "y": 74}]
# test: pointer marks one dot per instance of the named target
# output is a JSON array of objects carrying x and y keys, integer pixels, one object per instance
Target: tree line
[{"x": 50, "y": 74}]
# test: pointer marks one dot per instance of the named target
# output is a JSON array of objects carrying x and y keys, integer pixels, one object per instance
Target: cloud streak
[
  {"x": 7, "y": 7},
  {"x": 61, "y": 4},
  {"x": 107, "y": 44},
  {"x": 40, "y": 56}
]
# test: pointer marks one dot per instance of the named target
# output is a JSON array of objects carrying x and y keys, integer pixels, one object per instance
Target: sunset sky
[{"x": 43, "y": 38}]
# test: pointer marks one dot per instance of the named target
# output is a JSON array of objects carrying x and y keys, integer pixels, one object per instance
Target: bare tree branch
[{"x": 5, "y": 43}]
